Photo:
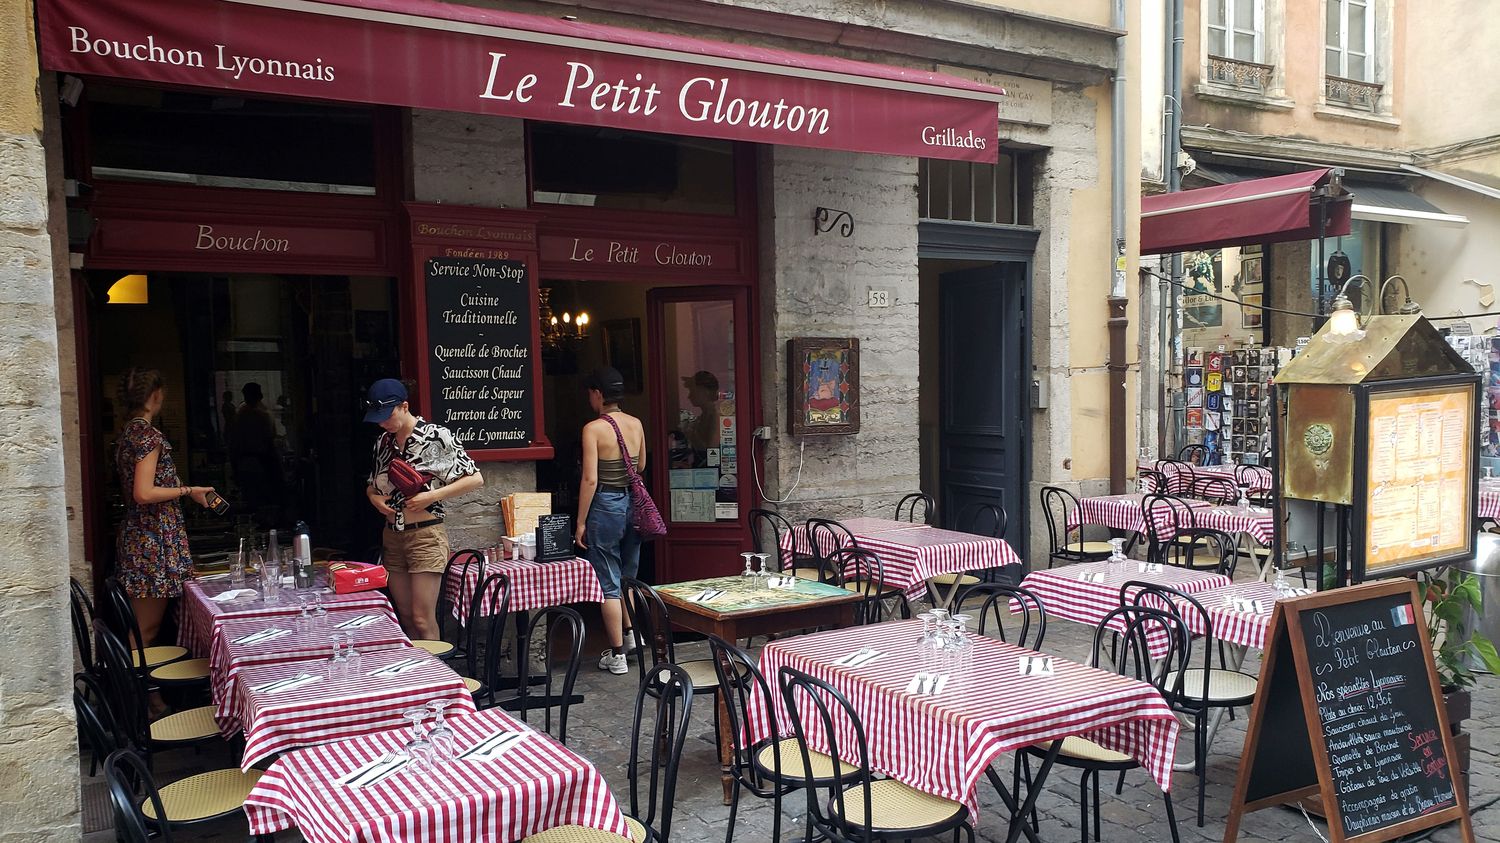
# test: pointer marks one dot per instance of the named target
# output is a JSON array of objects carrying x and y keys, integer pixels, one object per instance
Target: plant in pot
[{"x": 1449, "y": 595}]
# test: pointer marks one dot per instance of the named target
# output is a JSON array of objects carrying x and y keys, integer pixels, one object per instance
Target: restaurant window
[
  {"x": 965, "y": 191},
  {"x": 600, "y": 167},
  {"x": 181, "y": 137}
]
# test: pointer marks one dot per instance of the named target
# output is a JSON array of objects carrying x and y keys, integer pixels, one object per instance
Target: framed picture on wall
[
  {"x": 1251, "y": 316},
  {"x": 823, "y": 381},
  {"x": 622, "y": 350}
]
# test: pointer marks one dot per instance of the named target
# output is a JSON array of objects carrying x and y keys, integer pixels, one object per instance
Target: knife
[
  {"x": 356, "y": 622},
  {"x": 271, "y": 686},
  {"x": 492, "y": 744},
  {"x": 396, "y": 667},
  {"x": 255, "y": 637}
]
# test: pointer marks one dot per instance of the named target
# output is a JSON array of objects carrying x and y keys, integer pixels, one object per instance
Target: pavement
[{"x": 599, "y": 730}]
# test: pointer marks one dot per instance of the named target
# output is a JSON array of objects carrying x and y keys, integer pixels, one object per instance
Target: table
[
  {"x": 910, "y": 554},
  {"x": 1255, "y": 522},
  {"x": 1259, "y": 480},
  {"x": 227, "y": 658},
  {"x": 533, "y": 585},
  {"x": 943, "y": 745},
  {"x": 537, "y": 785},
  {"x": 1066, "y": 595},
  {"x": 1120, "y": 512},
  {"x": 1489, "y": 499},
  {"x": 198, "y": 612},
  {"x": 748, "y": 609},
  {"x": 335, "y": 708},
  {"x": 1241, "y": 629}
]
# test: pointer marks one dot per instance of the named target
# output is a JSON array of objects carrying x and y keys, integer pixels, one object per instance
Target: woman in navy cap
[{"x": 414, "y": 545}]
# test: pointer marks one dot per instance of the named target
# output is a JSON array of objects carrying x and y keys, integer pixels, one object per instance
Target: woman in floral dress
[{"x": 152, "y": 558}]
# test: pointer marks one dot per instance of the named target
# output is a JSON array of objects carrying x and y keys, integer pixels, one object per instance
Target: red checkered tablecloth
[
  {"x": 334, "y": 708},
  {"x": 533, "y": 585},
  {"x": 227, "y": 658},
  {"x": 531, "y": 788},
  {"x": 198, "y": 612},
  {"x": 1066, "y": 595},
  {"x": 1489, "y": 499},
  {"x": 942, "y": 745},
  {"x": 1245, "y": 629},
  {"x": 1123, "y": 512},
  {"x": 1257, "y": 523},
  {"x": 910, "y": 554}
]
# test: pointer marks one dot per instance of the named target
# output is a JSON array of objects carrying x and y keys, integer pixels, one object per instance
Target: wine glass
[
  {"x": 1117, "y": 557},
  {"x": 442, "y": 737},
  {"x": 963, "y": 644},
  {"x": 749, "y": 561},
  {"x": 338, "y": 662},
  {"x": 304, "y": 617},
  {"x": 418, "y": 749},
  {"x": 319, "y": 614},
  {"x": 762, "y": 559}
]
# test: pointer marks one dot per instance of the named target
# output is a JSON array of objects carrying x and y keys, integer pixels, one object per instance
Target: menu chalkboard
[
  {"x": 479, "y": 334},
  {"x": 554, "y": 537},
  {"x": 1369, "y": 734}
]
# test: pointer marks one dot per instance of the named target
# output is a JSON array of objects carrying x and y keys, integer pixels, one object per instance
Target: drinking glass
[
  {"x": 1117, "y": 557},
  {"x": 338, "y": 662},
  {"x": 353, "y": 659},
  {"x": 237, "y": 567},
  {"x": 749, "y": 560},
  {"x": 319, "y": 614},
  {"x": 963, "y": 644},
  {"x": 418, "y": 749},
  {"x": 442, "y": 737},
  {"x": 304, "y": 616},
  {"x": 1244, "y": 501},
  {"x": 270, "y": 581}
]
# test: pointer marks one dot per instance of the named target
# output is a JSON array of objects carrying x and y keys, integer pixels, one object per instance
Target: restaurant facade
[{"x": 277, "y": 202}]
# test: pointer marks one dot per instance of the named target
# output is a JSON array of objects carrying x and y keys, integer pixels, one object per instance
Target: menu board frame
[
  {"x": 1293, "y": 763},
  {"x": 484, "y": 234},
  {"x": 1467, "y": 386}
]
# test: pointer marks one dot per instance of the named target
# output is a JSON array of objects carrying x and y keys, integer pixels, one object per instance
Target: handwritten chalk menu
[
  {"x": 479, "y": 316},
  {"x": 554, "y": 537},
  {"x": 1418, "y": 495},
  {"x": 1370, "y": 737}
]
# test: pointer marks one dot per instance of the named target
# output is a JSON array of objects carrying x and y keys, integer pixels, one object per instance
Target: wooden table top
[{"x": 745, "y": 597}]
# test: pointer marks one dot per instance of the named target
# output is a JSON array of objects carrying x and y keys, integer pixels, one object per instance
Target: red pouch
[
  {"x": 405, "y": 478},
  {"x": 357, "y": 576}
]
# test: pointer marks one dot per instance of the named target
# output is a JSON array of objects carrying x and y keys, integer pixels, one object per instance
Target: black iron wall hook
[{"x": 824, "y": 219}]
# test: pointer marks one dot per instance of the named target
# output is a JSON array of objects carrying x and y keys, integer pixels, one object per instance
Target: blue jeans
[{"x": 614, "y": 546}]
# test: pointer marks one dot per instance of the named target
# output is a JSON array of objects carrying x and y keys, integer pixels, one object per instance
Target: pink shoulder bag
[{"x": 644, "y": 516}]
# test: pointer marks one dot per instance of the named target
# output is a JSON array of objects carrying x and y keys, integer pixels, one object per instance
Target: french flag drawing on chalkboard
[{"x": 1401, "y": 615}]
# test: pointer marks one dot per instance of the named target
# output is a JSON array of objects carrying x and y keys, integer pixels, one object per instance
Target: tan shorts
[{"x": 416, "y": 550}]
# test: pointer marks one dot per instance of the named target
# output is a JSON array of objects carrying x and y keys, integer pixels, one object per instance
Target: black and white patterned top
[{"x": 431, "y": 449}]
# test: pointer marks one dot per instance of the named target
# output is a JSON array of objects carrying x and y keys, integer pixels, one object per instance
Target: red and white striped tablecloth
[
  {"x": 533, "y": 585},
  {"x": 198, "y": 611},
  {"x": 335, "y": 708},
  {"x": 1123, "y": 512},
  {"x": 227, "y": 658},
  {"x": 1245, "y": 629},
  {"x": 1257, "y": 523},
  {"x": 1257, "y": 480},
  {"x": 942, "y": 745},
  {"x": 1066, "y": 595},
  {"x": 910, "y": 554},
  {"x": 535, "y": 786},
  {"x": 1489, "y": 499}
]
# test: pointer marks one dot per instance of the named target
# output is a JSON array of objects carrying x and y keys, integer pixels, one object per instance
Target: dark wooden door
[{"x": 983, "y": 394}]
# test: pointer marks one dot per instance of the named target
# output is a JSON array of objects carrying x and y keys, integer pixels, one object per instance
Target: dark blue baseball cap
[{"x": 383, "y": 398}]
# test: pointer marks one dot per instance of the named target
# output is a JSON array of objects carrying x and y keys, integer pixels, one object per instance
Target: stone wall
[
  {"x": 468, "y": 159},
  {"x": 38, "y": 741},
  {"x": 817, "y": 286}
]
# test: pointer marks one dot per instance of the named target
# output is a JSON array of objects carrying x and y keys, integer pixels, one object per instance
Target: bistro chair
[
  {"x": 660, "y": 739},
  {"x": 1206, "y": 549},
  {"x": 827, "y": 536},
  {"x": 914, "y": 504},
  {"x": 978, "y": 518},
  {"x": 655, "y": 646},
  {"x": 1150, "y": 480},
  {"x": 859, "y": 569},
  {"x": 1198, "y": 690},
  {"x": 1182, "y": 480},
  {"x": 119, "y": 614},
  {"x": 999, "y": 600},
  {"x": 1057, "y": 503},
  {"x": 1132, "y": 658},
  {"x": 1195, "y": 454},
  {"x": 127, "y": 696},
  {"x": 768, "y": 530},
  {"x": 1169, "y": 526},
  {"x": 867, "y": 809},
  {"x": 495, "y": 590},
  {"x": 195, "y": 800},
  {"x": 561, "y": 630},
  {"x": 772, "y": 767},
  {"x": 81, "y": 613},
  {"x": 1217, "y": 490},
  {"x": 1256, "y": 480},
  {"x": 453, "y": 590}
]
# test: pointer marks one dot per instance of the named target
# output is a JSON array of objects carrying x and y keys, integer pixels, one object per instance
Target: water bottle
[
  {"x": 273, "y": 550},
  {"x": 302, "y": 564}
]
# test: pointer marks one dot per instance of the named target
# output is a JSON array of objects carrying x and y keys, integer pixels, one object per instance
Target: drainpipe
[
  {"x": 1118, "y": 320},
  {"x": 1169, "y": 430}
]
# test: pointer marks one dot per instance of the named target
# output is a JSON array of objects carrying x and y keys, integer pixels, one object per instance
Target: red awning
[
  {"x": 427, "y": 54},
  {"x": 1271, "y": 210}
]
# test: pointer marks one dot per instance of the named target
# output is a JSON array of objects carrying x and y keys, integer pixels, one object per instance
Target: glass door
[{"x": 704, "y": 392}]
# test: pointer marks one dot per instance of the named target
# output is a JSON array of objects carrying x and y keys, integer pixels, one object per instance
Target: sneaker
[
  {"x": 630, "y": 645},
  {"x": 615, "y": 664}
]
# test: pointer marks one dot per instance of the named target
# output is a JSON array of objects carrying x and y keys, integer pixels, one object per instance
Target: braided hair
[{"x": 136, "y": 385}]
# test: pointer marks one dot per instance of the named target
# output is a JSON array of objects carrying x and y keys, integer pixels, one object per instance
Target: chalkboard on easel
[
  {"x": 1349, "y": 710},
  {"x": 554, "y": 537}
]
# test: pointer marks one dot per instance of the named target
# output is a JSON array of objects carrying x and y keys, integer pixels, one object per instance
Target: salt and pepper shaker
[{"x": 302, "y": 564}]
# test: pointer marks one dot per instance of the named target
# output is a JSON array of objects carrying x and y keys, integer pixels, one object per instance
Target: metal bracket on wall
[{"x": 824, "y": 219}]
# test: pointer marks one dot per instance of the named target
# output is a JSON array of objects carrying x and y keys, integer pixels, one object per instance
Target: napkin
[
  {"x": 233, "y": 594},
  {"x": 1092, "y": 576},
  {"x": 1150, "y": 567},
  {"x": 859, "y": 658},
  {"x": 1036, "y": 666},
  {"x": 287, "y": 684},
  {"x": 263, "y": 635},
  {"x": 493, "y": 746},
  {"x": 927, "y": 684},
  {"x": 375, "y": 771},
  {"x": 398, "y": 668},
  {"x": 788, "y": 583},
  {"x": 1250, "y": 607},
  {"x": 706, "y": 595},
  {"x": 357, "y": 622}
]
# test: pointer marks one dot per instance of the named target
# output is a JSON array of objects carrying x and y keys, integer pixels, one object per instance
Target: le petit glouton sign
[{"x": 456, "y": 58}]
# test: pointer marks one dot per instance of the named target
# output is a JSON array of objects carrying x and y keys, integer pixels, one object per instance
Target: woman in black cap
[{"x": 613, "y": 547}]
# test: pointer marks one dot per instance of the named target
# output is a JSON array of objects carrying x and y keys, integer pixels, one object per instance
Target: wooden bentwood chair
[{"x": 1057, "y": 503}]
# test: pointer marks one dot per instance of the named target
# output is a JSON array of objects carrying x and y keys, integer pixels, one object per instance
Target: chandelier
[{"x": 559, "y": 329}]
